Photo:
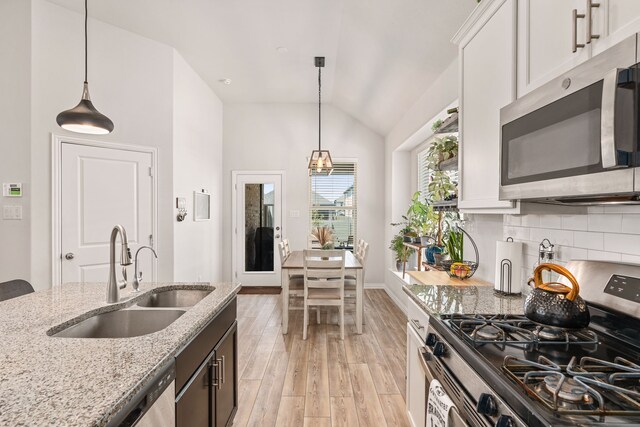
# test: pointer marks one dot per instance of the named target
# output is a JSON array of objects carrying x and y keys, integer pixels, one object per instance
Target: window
[
  {"x": 333, "y": 203},
  {"x": 423, "y": 173}
]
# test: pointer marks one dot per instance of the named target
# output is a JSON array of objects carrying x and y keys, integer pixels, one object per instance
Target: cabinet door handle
[
  {"x": 574, "y": 33},
  {"x": 219, "y": 378},
  {"x": 214, "y": 374},
  {"x": 222, "y": 369},
  {"x": 590, "y": 35},
  {"x": 416, "y": 324}
]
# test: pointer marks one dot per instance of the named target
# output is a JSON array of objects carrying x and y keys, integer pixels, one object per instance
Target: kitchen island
[{"x": 47, "y": 380}]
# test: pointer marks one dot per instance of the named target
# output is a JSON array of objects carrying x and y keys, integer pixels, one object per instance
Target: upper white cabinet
[
  {"x": 545, "y": 40},
  {"x": 552, "y": 38},
  {"x": 615, "y": 20},
  {"x": 487, "y": 44}
]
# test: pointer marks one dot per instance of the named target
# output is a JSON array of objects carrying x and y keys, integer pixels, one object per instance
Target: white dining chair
[
  {"x": 323, "y": 283},
  {"x": 296, "y": 283}
]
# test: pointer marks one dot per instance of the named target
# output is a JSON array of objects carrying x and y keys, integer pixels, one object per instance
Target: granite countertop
[
  {"x": 438, "y": 296},
  {"x": 46, "y": 380}
]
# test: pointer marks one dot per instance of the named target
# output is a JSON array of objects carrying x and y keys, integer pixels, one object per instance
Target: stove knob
[
  {"x": 439, "y": 349},
  {"x": 487, "y": 405},
  {"x": 431, "y": 339},
  {"x": 505, "y": 421}
]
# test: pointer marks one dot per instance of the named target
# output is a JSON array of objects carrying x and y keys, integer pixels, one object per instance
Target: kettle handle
[{"x": 572, "y": 293}]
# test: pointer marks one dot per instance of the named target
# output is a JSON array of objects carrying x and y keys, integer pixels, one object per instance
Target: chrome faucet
[
  {"x": 138, "y": 275},
  {"x": 113, "y": 287}
]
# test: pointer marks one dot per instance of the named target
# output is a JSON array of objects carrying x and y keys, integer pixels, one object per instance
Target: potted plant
[
  {"x": 414, "y": 218},
  {"x": 442, "y": 149},
  {"x": 324, "y": 236},
  {"x": 402, "y": 252}
]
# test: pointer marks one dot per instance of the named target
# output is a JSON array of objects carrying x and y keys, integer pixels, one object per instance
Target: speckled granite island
[
  {"x": 436, "y": 293},
  {"x": 47, "y": 380}
]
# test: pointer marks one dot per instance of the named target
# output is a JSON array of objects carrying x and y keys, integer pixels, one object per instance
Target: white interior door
[
  {"x": 258, "y": 228},
  {"x": 101, "y": 187}
]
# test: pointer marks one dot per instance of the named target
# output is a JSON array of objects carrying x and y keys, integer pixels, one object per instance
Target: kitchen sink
[
  {"x": 175, "y": 298},
  {"x": 121, "y": 324}
]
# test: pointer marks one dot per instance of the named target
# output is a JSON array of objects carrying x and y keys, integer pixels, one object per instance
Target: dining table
[{"x": 294, "y": 265}]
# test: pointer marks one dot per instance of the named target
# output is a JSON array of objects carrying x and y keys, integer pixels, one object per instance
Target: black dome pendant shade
[{"x": 84, "y": 117}]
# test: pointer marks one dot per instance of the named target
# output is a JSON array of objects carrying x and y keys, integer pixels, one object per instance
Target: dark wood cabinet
[
  {"x": 208, "y": 395},
  {"x": 225, "y": 393}
]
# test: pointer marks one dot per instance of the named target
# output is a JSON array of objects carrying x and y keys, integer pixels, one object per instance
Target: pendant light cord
[
  {"x": 86, "y": 17},
  {"x": 319, "y": 107}
]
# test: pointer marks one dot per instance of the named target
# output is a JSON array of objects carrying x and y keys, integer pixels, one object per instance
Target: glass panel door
[{"x": 258, "y": 229}]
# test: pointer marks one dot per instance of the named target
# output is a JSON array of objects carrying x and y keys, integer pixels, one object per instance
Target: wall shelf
[
  {"x": 449, "y": 164},
  {"x": 449, "y": 125}
]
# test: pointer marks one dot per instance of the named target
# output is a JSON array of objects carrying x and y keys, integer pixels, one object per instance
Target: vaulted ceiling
[{"x": 381, "y": 55}]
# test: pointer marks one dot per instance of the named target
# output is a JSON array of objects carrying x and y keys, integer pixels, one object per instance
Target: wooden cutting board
[{"x": 442, "y": 278}]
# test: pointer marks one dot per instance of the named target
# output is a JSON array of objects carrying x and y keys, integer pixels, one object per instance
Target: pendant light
[
  {"x": 320, "y": 160},
  {"x": 84, "y": 118}
]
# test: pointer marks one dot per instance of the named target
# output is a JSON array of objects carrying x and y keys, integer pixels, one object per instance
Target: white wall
[
  {"x": 398, "y": 181},
  {"x": 281, "y": 137},
  {"x": 197, "y": 157},
  {"x": 15, "y": 70},
  {"x": 130, "y": 79}
]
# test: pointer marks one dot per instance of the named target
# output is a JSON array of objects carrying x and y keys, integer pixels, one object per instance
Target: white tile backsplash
[
  {"x": 575, "y": 222},
  {"x": 602, "y": 233},
  {"x": 611, "y": 223},
  {"x": 622, "y": 243},
  {"x": 551, "y": 221},
  {"x": 631, "y": 223},
  {"x": 583, "y": 239},
  {"x": 604, "y": 256}
]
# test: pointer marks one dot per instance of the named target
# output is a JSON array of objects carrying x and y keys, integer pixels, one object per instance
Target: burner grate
[
  {"x": 515, "y": 330},
  {"x": 589, "y": 386}
]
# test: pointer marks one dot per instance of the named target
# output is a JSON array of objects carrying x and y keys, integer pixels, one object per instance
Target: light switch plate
[
  {"x": 294, "y": 214},
  {"x": 12, "y": 212}
]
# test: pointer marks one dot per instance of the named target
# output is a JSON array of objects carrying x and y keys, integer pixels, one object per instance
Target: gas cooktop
[{"x": 548, "y": 376}]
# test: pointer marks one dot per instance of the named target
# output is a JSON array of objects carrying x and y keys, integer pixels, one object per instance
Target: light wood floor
[{"x": 323, "y": 381}]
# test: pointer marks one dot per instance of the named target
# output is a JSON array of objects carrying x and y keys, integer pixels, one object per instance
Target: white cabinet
[
  {"x": 545, "y": 35},
  {"x": 487, "y": 54},
  {"x": 545, "y": 40},
  {"x": 416, "y": 381},
  {"x": 417, "y": 321},
  {"x": 615, "y": 20}
]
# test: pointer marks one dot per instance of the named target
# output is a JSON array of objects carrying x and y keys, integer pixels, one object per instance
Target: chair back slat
[
  {"x": 283, "y": 254},
  {"x": 287, "y": 248},
  {"x": 323, "y": 273}
]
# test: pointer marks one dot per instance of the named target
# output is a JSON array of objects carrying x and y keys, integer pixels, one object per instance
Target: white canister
[{"x": 509, "y": 256}]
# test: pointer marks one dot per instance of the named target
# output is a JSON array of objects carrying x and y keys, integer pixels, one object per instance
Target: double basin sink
[{"x": 152, "y": 313}]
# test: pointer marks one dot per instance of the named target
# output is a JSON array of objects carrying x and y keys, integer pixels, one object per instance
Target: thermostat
[{"x": 12, "y": 190}]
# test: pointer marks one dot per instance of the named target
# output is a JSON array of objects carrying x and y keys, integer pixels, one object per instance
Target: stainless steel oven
[
  {"x": 574, "y": 140},
  {"x": 476, "y": 403}
]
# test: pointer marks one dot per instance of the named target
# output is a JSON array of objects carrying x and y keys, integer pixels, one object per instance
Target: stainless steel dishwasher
[{"x": 153, "y": 405}]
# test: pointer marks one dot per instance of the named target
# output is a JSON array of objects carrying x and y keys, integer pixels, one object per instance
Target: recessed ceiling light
[
  {"x": 282, "y": 49},
  {"x": 225, "y": 81}
]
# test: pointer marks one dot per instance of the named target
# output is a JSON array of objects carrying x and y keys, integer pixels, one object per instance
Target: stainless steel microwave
[{"x": 574, "y": 140}]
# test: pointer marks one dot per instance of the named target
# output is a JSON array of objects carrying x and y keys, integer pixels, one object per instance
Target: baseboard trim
[
  {"x": 397, "y": 302},
  {"x": 260, "y": 290}
]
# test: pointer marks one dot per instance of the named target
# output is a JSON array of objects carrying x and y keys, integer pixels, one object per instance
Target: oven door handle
[
  {"x": 426, "y": 356},
  {"x": 423, "y": 355},
  {"x": 608, "y": 148}
]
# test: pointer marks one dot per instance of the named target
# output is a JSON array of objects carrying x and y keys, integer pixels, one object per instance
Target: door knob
[
  {"x": 69, "y": 256},
  {"x": 277, "y": 236},
  {"x": 277, "y": 228}
]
